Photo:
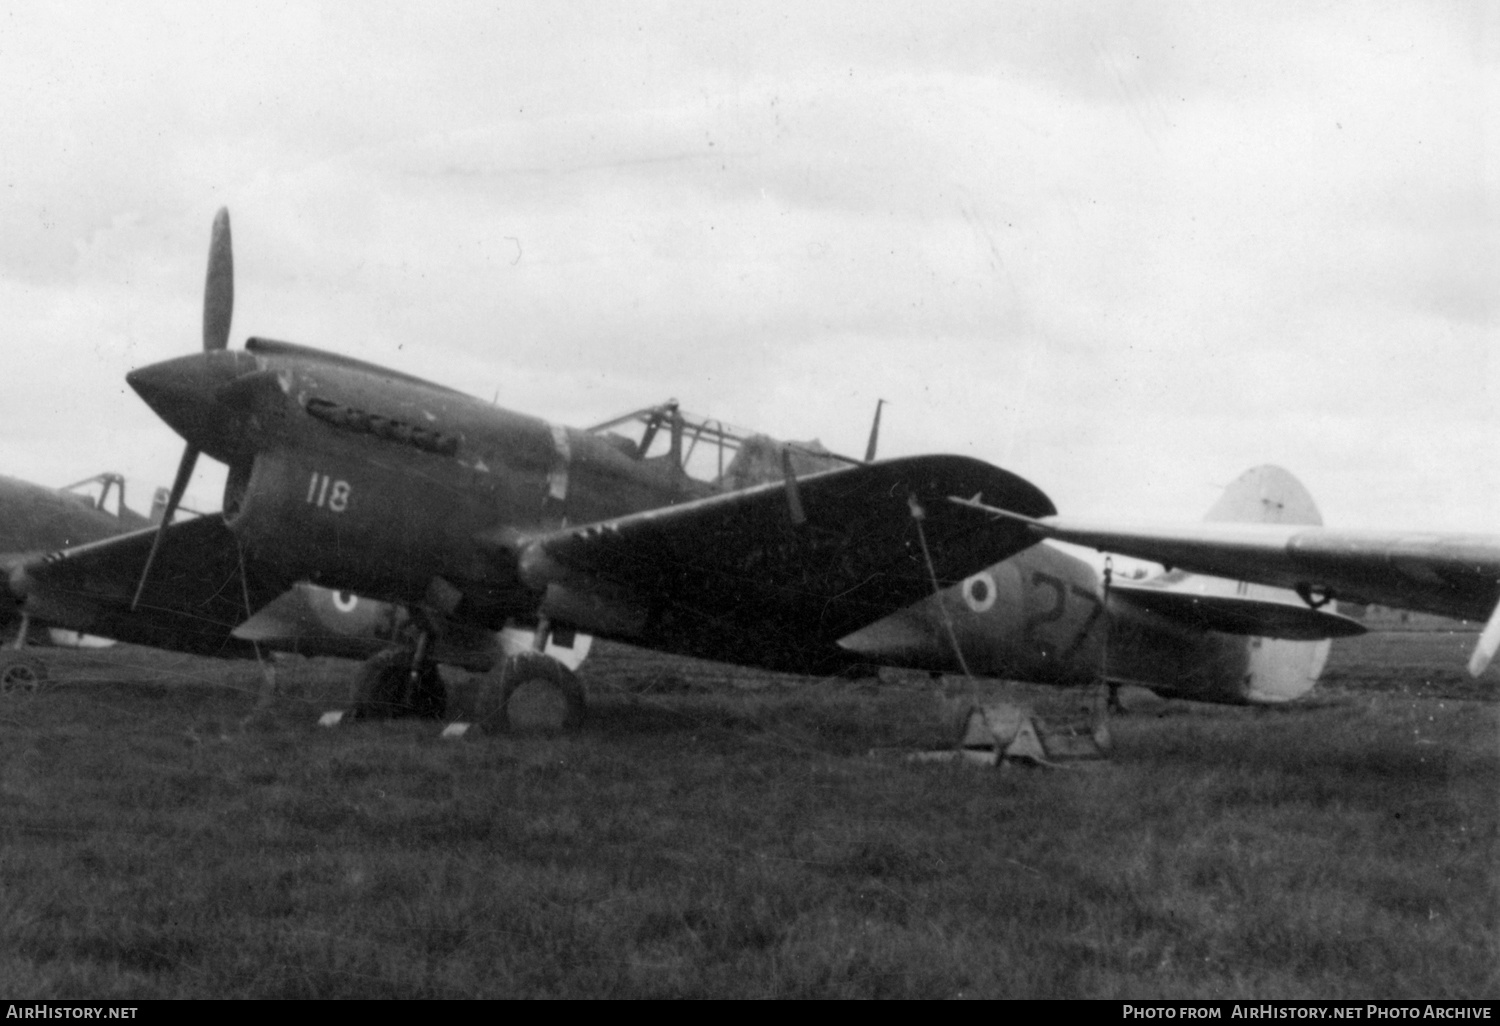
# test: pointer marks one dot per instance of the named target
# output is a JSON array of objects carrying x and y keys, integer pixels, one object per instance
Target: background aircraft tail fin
[
  {"x": 1265, "y": 495},
  {"x": 1279, "y": 670}
]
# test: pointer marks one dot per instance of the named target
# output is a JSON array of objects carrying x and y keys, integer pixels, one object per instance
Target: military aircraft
[
  {"x": 36, "y": 521},
  {"x": 475, "y": 519},
  {"x": 1050, "y": 617},
  {"x": 36, "y": 518},
  {"x": 1243, "y": 613},
  {"x": 1452, "y": 575},
  {"x": 480, "y": 523}
]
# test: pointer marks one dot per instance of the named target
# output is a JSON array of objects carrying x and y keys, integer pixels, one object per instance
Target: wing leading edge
[{"x": 775, "y": 575}]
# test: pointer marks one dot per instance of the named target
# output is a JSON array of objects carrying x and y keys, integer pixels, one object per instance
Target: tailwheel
[
  {"x": 384, "y": 688},
  {"x": 20, "y": 673},
  {"x": 531, "y": 691}
]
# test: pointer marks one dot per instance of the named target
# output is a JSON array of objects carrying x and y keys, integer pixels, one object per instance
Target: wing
[
  {"x": 775, "y": 575},
  {"x": 1452, "y": 575},
  {"x": 199, "y": 589},
  {"x": 1234, "y": 614},
  {"x": 1455, "y": 575}
]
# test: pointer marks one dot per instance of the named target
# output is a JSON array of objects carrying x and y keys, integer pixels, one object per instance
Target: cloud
[{"x": 1125, "y": 246}]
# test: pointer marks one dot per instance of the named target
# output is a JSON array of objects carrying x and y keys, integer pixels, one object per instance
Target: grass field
[{"x": 169, "y": 832}]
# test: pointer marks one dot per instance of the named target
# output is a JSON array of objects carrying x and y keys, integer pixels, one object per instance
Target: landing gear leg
[
  {"x": 424, "y": 693},
  {"x": 20, "y": 672},
  {"x": 399, "y": 682}
]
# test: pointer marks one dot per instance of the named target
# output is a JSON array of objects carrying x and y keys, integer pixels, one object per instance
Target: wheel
[
  {"x": 380, "y": 689},
  {"x": 531, "y": 691},
  {"x": 20, "y": 674},
  {"x": 377, "y": 686}
]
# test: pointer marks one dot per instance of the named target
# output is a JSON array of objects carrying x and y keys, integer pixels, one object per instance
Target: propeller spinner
[{"x": 218, "y": 312}]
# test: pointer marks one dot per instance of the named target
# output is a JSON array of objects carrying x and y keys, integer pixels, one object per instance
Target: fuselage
[
  {"x": 364, "y": 480},
  {"x": 372, "y": 482},
  {"x": 35, "y": 519},
  {"x": 1046, "y": 616}
]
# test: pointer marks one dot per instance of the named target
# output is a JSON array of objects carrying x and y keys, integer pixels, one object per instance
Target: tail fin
[
  {"x": 1279, "y": 671},
  {"x": 1266, "y": 495}
]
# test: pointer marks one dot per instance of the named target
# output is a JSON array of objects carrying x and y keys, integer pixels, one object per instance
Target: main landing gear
[
  {"x": 399, "y": 682},
  {"x": 529, "y": 691},
  {"x": 526, "y": 690}
]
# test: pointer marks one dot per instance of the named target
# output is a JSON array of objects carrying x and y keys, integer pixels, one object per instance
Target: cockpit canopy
[{"x": 727, "y": 457}]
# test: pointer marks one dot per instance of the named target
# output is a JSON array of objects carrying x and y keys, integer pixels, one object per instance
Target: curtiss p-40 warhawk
[
  {"x": 35, "y": 519},
  {"x": 475, "y": 519}
]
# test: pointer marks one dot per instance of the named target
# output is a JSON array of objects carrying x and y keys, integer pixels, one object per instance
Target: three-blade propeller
[{"x": 218, "y": 312}]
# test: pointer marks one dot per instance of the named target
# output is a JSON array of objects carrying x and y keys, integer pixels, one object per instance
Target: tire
[
  {"x": 531, "y": 691},
  {"x": 378, "y": 685},
  {"x": 20, "y": 674},
  {"x": 380, "y": 689}
]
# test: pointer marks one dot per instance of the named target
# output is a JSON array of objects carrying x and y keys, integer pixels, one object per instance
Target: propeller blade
[
  {"x": 179, "y": 485},
  {"x": 874, "y": 433},
  {"x": 218, "y": 288}
]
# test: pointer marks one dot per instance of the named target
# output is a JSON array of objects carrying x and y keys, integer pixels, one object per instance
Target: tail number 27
[{"x": 1057, "y": 608}]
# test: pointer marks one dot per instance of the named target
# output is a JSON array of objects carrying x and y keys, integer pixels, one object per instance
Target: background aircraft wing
[
  {"x": 1455, "y": 575},
  {"x": 1238, "y": 614},
  {"x": 200, "y": 588},
  {"x": 775, "y": 575},
  {"x": 1452, "y": 575}
]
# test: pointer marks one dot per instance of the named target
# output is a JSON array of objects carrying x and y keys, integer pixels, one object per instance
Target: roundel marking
[
  {"x": 344, "y": 601},
  {"x": 979, "y": 592}
]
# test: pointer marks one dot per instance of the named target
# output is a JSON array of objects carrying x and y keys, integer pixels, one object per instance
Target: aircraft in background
[
  {"x": 1047, "y": 616},
  {"x": 476, "y": 520},
  {"x": 1450, "y": 574},
  {"x": 35, "y": 518},
  {"x": 36, "y": 521}
]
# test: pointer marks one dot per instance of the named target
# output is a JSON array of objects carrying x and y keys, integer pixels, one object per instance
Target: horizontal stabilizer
[{"x": 1233, "y": 614}]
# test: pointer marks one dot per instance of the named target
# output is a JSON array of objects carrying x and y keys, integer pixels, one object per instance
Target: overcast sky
[{"x": 1125, "y": 250}]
